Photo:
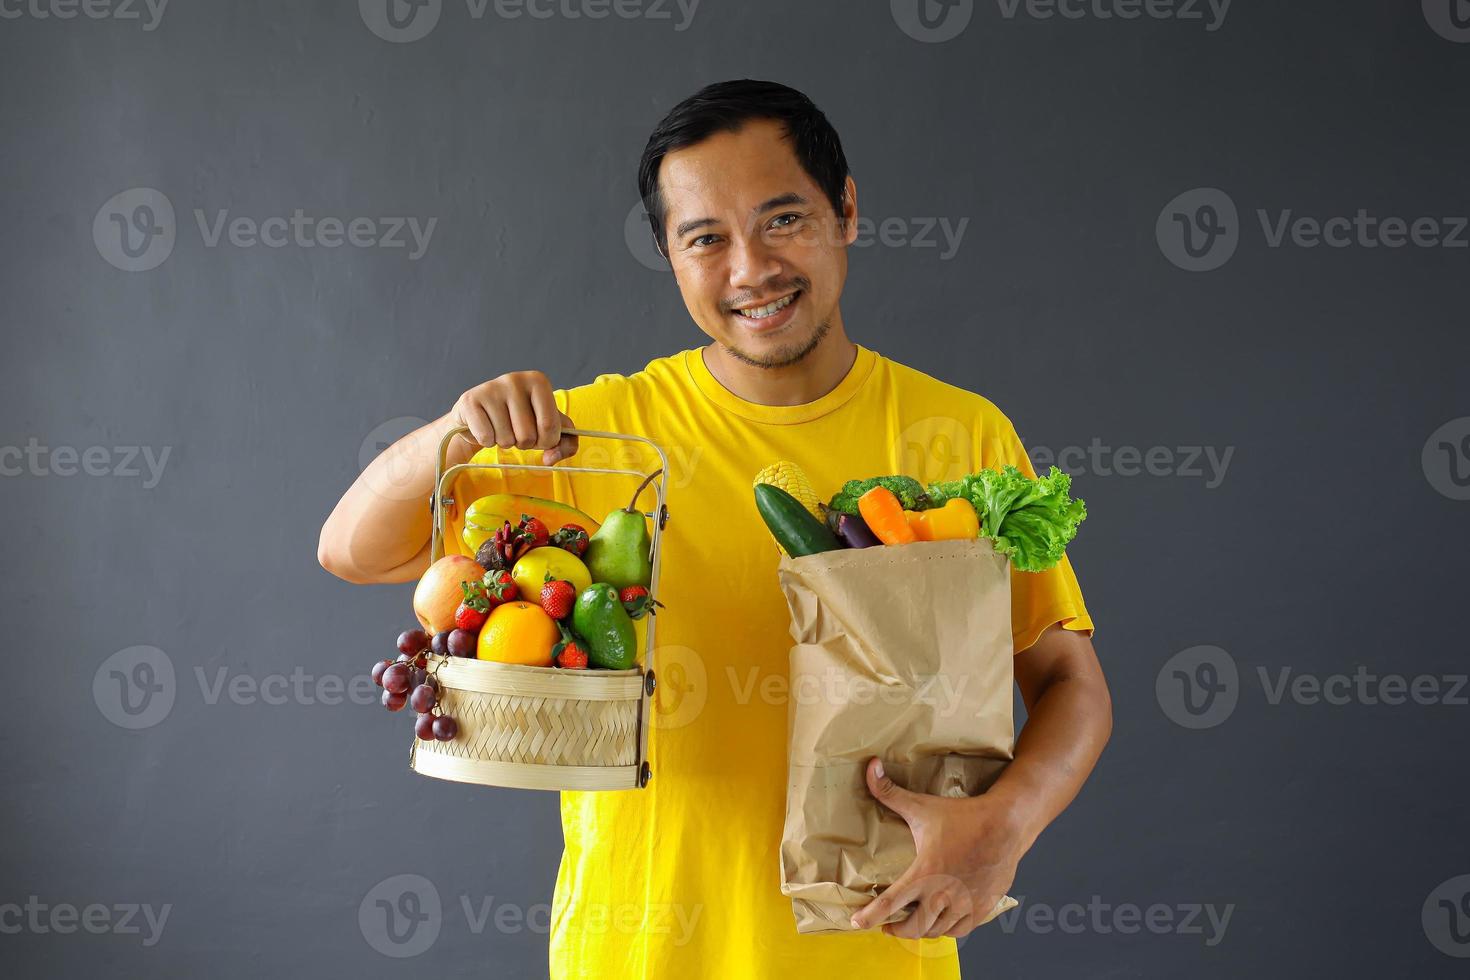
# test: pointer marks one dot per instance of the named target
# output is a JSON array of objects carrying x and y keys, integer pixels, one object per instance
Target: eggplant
[{"x": 854, "y": 532}]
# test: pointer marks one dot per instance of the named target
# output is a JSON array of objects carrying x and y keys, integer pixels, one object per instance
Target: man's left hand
[{"x": 968, "y": 850}]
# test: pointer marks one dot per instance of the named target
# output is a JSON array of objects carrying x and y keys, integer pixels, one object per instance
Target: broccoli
[{"x": 910, "y": 493}]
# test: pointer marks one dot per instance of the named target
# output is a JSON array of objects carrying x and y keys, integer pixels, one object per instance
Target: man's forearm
[{"x": 1069, "y": 719}]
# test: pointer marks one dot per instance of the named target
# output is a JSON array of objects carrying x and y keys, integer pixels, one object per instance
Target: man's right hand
[{"x": 517, "y": 410}]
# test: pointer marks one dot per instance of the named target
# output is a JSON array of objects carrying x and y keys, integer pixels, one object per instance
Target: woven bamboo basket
[{"x": 543, "y": 727}]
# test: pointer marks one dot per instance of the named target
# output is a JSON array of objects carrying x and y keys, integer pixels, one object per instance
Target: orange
[{"x": 518, "y": 633}]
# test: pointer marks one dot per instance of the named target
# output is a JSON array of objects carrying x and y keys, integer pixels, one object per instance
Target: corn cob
[{"x": 793, "y": 479}]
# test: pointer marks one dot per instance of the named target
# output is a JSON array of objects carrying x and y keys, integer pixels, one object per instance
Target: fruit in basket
[
  {"x": 518, "y": 632},
  {"x": 570, "y": 655},
  {"x": 511, "y": 541},
  {"x": 394, "y": 702},
  {"x": 462, "y": 643},
  {"x": 438, "y": 594},
  {"x": 473, "y": 608},
  {"x": 501, "y": 587},
  {"x": 475, "y": 538},
  {"x": 490, "y": 512},
  {"x": 423, "y": 727},
  {"x": 637, "y": 601},
  {"x": 412, "y": 641},
  {"x": 378, "y": 669},
  {"x": 599, "y": 618},
  {"x": 531, "y": 571},
  {"x": 445, "y": 728},
  {"x": 618, "y": 552},
  {"x": 571, "y": 537},
  {"x": 557, "y": 597},
  {"x": 423, "y": 698},
  {"x": 397, "y": 677},
  {"x": 489, "y": 556},
  {"x": 440, "y": 644},
  {"x": 536, "y": 530}
]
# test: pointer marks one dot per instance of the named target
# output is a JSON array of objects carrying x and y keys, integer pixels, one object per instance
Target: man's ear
[{"x": 849, "y": 211}]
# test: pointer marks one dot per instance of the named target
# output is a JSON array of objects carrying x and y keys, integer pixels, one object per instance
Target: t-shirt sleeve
[{"x": 1039, "y": 599}]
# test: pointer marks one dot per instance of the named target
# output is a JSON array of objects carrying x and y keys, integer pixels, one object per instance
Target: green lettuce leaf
[{"x": 1030, "y": 521}]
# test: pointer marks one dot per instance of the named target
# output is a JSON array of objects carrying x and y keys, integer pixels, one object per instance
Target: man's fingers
[
  {"x": 947, "y": 920},
  {"x": 548, "y": 416},
  {"x": 922, "y": 919},
  {"x": 522, "y": 421},
  {"x": 566, "y": 446},
  {"x": 958, "y": 907},
  {"x": 480, "y": 426},
  {"x": 894, "y": 897},
  {"x": 499, "y": 416}
]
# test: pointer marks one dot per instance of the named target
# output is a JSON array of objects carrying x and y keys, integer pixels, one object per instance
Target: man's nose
[{"x": 753, "y": 263}]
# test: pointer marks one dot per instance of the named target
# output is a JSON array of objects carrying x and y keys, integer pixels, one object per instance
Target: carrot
[{"x": 882, "y": 512}]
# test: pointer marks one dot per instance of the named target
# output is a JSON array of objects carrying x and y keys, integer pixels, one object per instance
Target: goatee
[{"x": 784, "y": 356}]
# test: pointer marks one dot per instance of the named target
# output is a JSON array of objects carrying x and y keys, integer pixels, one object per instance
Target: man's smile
[{"x": 769, "y": 315}]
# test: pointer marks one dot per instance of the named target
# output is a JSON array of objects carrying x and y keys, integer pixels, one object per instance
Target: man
[{"x": 751, "y": 201}]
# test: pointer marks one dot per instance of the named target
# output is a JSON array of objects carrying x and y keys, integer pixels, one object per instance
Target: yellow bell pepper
[{"x": 956, "y": 519}]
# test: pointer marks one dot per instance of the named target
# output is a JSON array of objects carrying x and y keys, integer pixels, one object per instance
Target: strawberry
[
  {"x": 469, "y": 618},
  {"x": 535, "y": 530},
  {"x": 569, "y": 653},
  {"x": 557, "y": 596},
  {"x": 571, "y": 537},
  {"x": 499, "y": 587},
  {"x": 471, "y": 613},
  {"x": 637, "y": 601},
  {"x": 571, "y": 656}
]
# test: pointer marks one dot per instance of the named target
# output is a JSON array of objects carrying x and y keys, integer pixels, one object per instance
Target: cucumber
[{"x": 792, "y": 525}]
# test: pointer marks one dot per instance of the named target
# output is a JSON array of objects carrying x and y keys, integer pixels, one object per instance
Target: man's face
[{"x": 758, "y": 252}]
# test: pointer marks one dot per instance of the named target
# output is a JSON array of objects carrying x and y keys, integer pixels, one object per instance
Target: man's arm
[
  {"x": 968, "y": 849},
  {"x": 379, "y": 531},
  {"x": 1069, "y": 717}
]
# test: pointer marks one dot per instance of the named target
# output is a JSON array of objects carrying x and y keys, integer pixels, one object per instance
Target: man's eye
[
  {"x": 704, "y": 240},
  {"x": 783, "y": 220}
]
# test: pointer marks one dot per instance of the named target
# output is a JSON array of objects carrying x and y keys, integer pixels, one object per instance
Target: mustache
[{"x": 779, "y": 288}]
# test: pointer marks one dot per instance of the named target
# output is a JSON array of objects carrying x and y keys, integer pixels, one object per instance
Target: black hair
[{"x": 726, "y": 107}]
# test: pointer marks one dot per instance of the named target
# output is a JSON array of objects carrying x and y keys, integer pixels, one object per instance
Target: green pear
[{"x": 619, "y": 552}]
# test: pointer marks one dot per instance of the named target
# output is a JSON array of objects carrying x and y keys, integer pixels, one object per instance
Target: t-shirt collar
[{"x": 710, "y": 387}]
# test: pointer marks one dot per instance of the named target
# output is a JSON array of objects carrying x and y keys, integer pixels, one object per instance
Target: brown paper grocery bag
[{"x": 903, "y": 652}]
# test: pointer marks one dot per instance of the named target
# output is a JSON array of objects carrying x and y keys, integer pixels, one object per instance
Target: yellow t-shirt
[{"x": 682, "y": 878}]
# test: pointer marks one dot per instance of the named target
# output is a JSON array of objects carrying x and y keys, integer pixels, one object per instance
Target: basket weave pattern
[{"x": 539, "y": 730}]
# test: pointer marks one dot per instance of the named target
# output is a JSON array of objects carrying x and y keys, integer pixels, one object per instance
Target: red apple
[{"x": 438, "y": 594}]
